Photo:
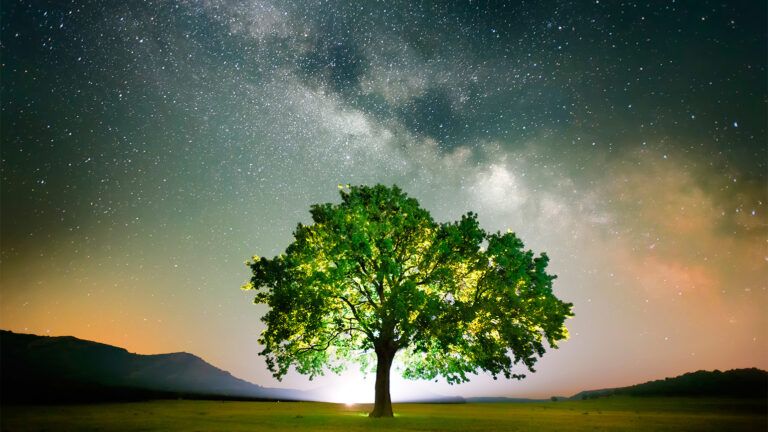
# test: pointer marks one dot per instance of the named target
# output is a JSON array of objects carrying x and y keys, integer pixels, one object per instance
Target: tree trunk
[{"x": 382, "y": 406}]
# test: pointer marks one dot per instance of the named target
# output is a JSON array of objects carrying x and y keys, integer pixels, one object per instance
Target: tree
[{"x": 376, "y": 275}]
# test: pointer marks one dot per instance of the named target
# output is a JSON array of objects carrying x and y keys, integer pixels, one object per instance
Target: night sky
[{"x": 150, "y": 148}]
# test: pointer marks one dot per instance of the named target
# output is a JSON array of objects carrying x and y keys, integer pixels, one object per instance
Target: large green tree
[{"x": 376, "y": 274}]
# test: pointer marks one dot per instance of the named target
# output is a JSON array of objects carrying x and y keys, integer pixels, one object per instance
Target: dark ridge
[
  {"x": 737, "y": 383},
  {"x": 41, "y": 369},
  {"x": 501, "y": 399}
]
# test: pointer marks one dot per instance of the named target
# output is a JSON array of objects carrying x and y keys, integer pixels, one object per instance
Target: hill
[
  {"x": 748, "y": 383},
  {"x": 501, "y": 399},
  {"x": 66, "y": 369}
]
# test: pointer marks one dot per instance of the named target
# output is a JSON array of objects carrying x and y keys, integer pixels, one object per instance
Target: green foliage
[{"x": 376, "y": 272}]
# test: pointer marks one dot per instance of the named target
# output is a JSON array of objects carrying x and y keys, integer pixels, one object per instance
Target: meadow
[{"x": 604, "y": 414}]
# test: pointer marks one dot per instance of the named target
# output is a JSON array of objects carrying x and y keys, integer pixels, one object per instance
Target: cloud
[
  {"x": 499, "y": 190},
  {"x": 260, "y": 19}
]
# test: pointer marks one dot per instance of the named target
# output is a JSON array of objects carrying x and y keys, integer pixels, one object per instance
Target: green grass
[{"x": 608, "y": 414}]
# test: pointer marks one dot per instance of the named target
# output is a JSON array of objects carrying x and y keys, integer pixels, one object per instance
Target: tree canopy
[{"x": 375, "y": 274}]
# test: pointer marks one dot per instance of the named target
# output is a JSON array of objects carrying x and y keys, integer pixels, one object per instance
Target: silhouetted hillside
[
  {"x": 501, "y": 399},
  {"x": 66, "y": 369},
  {"x": 733, "y": 383}
]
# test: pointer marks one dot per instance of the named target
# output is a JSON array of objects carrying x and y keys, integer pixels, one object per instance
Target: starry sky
[{"x": 149, "y": 148}]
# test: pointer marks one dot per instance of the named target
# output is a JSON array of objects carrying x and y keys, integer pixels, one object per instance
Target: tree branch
[
  {"x": 318, "y": 348},
  {"x": 352, "y": 307},
  {"x": 478, "y": 287},
  {"x": 364, "y": 291}
]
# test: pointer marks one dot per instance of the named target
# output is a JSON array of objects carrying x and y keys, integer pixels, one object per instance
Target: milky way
[{"x": 149, "y": 148}]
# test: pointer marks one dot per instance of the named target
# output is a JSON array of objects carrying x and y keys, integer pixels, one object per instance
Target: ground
[{"x": 607, "y": 414}]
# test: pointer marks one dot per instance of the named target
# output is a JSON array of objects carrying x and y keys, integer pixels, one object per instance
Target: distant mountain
[
  {"x": 500, "y": 399},
  {"x": 66, "y": 369},
  {"x": 733, "y": 383},
  {"x": 431, "y": 398}
]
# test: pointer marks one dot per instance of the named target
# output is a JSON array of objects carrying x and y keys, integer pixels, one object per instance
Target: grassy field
[{"x": 608, "y": 414}]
